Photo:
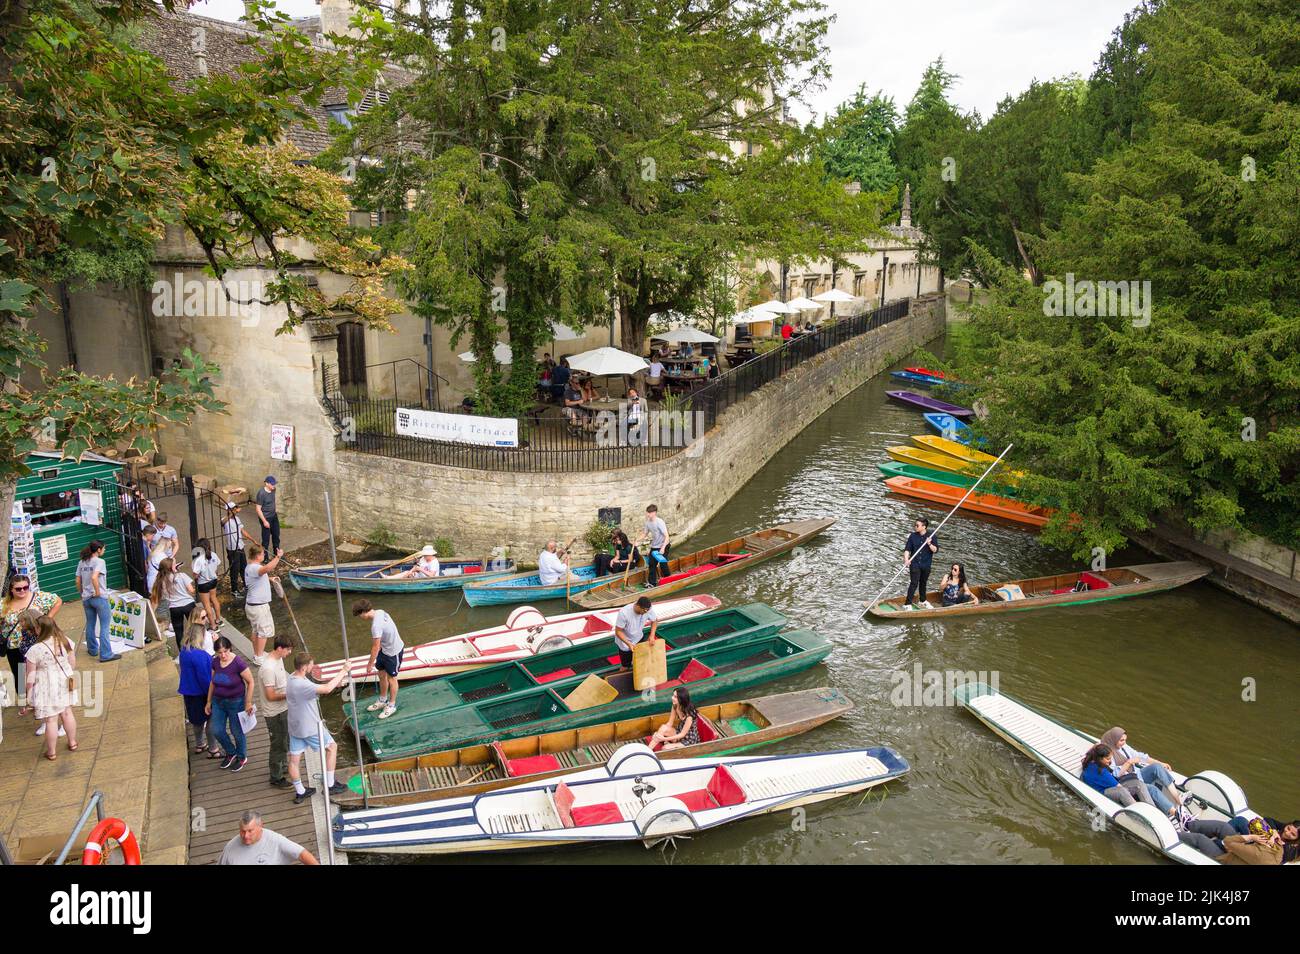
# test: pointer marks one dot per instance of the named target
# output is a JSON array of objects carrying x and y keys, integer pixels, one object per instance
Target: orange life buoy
[{"x": 115, "y": 829}]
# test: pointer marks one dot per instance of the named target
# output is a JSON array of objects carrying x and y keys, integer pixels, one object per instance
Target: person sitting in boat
[
  {"x": 629, "y": 628},
  {"x": 552, "y": 564},
  {"x": 1153, "y": 772},
  {"x": 619, "y": 558},
  {"x": 682, "y": 727},
  {"x": 1098, "y": 771},
  {"x": 426, "y": 567},
  {"x": 955, "y": 588},
  {"x": 1263, "y": 844}
]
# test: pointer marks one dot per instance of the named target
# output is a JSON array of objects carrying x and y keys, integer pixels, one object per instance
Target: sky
[{"x": 996, "y": 47}]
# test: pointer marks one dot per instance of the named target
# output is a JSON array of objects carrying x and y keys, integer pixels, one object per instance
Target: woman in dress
[
  {"x": 52, "y": 683},
  {"x": 207, "y": 567},
  {"x": 173, "y": 590},
  {"x": 682, "y": 727},
  {"x": 954, "y": 587},
  {"x": 20, "y": 597}
]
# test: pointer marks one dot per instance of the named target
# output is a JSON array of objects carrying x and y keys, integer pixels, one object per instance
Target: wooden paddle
[{"x": 387, "y": 566}]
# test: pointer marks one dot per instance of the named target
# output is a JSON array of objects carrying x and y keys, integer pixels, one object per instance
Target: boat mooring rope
[{"x": 933, "y": 532}]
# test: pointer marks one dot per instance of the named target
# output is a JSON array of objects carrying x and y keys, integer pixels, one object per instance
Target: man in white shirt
[
  {"x": 166, "y": 531},
  {"x": 629, "y": 628},
  {"x": 426, "y": 567},
  {"x": 552, "y": 568},
  {"x": 257, "y": 598},
  {"x": 255, "y": 845},
  {"x": 386, "y": 649},
  {"x": 656, "y": 532},
  {"x": 273, "y": 679}
]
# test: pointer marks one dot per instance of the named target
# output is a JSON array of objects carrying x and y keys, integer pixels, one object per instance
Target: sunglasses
[{"x": 21, "y": 589}]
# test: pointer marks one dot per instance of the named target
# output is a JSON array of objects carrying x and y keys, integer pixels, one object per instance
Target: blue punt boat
[
  {"x": 365, "y": 578},
  {"x": 949, "y": 427},
  {"x": 528, "y": 588},
  {"x": 920, "y": 380}
]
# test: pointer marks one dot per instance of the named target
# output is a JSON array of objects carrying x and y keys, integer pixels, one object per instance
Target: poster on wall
[
  {"x": 54, "y": 549},
  {"x": 92, "y": 506},
  {"x": 461, "y": 428},
  {"x": 282, "y": 442}
]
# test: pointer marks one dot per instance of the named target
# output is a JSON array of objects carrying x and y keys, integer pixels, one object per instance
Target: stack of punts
[
  {"x": 1062, "y": 589},
  {"x": 978, "y": 502},
  {"x": 934, "y": 475},
  {"x": 365, "y": 577},
  {"x": 705, "y": 565},
  {"x": 634, "y": 797},
  {"x": 1060, "y": 750},
  {"x": 525, "y": 633},
  {"x": 726, "y": 728},
  {"x": 538, "y": 694},
  {"x": 926, "y": 403},
  {"x": 529, "y": 588}
]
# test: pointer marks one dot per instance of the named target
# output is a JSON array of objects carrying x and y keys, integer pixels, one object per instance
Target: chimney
[
  {"x": 334, "y": 17},
  {"x": 905, "y": 218}
]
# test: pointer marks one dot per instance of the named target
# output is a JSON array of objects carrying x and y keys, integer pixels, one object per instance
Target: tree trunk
[
  {"x": 8, "y": 493},
  {"x": 634, "y": 321}
]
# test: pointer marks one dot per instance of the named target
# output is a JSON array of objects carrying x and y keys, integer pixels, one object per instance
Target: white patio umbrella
[
  {"x": 777, "y": 307},
  {"x": 832, "y": 296},
  {"x": 501, "y": 352},
  {"x": 804, "y": 304},
  {"x": 751, "y": 316},
  {"x": 686, "y": 334},
  {"x": 606, "y": 361}
]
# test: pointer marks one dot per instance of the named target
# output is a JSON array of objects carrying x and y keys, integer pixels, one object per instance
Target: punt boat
[
  {"x": 894, "y": 468},
  {"x": 704, "y": 566},
  {"x": 536, "y": 698},
  {"x": 365, "y": 577},
  {"x": 1060, "y": 749},
  {"x": 635, "y": 797},
  {"x": 926, "y": 403},
  {"x": 525, "y": 633},
  {"x": 935, "y": 460},
  {"x": 916, "y": 379},
  {"x": 726, "y": 728},
  {"x": 949, "y": 426},
  {"x": 967, "y": 455},
  {"x": 1063, "y": 589},
  {"x": 978, "y": 502},
  {"x": 529, "y": 588}
]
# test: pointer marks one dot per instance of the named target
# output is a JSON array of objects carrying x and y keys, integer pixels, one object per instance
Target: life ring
[{"x": 115, "y": 829}]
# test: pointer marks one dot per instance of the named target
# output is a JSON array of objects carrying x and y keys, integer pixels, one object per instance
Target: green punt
[
  {"x": 895, "y": 468},
  {"x": 711, "y": 672},
  {"x": 560, "y": 669}
]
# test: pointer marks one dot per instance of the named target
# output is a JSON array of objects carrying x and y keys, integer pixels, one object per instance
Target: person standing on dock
[
  {"x": 257, "y": 598},
  {"x": 267, "y": 515},
  {"x": 255, "y": 845},
  {"x": 629, "y": 628},
  {"x": 306, "y": 726},
  {"x": 275, "y": 708},
  {"x": 234, "y": 534},
  {"x": 165, "y": 532},
  {"x": 656, "y": 532},
  {"x": 918, "y": 554},
  {"x": 386, "y": 649}
]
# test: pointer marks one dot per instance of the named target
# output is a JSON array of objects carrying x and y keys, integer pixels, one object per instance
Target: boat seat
[
  {"x": 531, "y": 765},
  {"x": 1095, "y": 582},
  {"x": 707, "y": 732},
  {"x": 724, "y": 788},
  {"x": 595, "y": 624},
  {"x": 730, "y": 557},
  {"x": 552, "y": 676},
  {"x": 466, "y": 570},
  {"x": 603, "y": 813},
  {"x": 693, "y": 672},
  {"x": 698, "y": 800}
]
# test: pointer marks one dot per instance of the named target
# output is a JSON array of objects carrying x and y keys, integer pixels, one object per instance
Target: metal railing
[
  {"x": 95, "y": 804},
  {"x": 551, "y": 444}
]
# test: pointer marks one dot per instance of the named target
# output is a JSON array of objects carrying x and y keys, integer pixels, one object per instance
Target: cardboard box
[
  {"x": 43, "y": 849},
  {"x": 233, "y": 493}
]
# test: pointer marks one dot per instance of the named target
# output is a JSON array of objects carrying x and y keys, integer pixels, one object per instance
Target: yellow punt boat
[
  {"x": 932, "y": 458},
  {"x": 967, "y": 455}
]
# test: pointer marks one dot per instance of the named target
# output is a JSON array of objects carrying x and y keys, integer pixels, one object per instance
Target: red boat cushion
[
  {"x": 470, "y": 569},
  {"x": 564, "y": 804},
  {"x": 697, "y": 800},
  {"x": 1064, "y": 589},
  {"x": 552, "y": 676},
  {"x": 532, "y": 765},
  {"x": 1095, "y": 582},
  {"x": 594, "y": 625},
  {"x": 724, "y": 788},
  {"x": 674, "y": 577},
  {"x": 603, "y": 814},
  {"x": 695, "y": 671},
  {"x": 730, "y": 557},
  {"x": 707, "y": 732},
  {"x": 669, "y": 684},
  {"x": 613, "y": 660}
]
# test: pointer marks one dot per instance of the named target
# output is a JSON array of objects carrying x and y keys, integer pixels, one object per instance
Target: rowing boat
[
  {"x": 635, "y": 797},
  {"x": 897, "y": 469},
  {"x": 926, "y": 403},
  {"x": 1060, "y": 749},
  {"x": 704, "y": 566},
  {"x": 969, "y": 456},
  {"x": 526, "y": 632},
  {"x": 978, "y": 502},
  {"x": 927, "y": 372},
  {"x": 364, "y": 577},
  {"x": 553, "y": 701},
  {"x": 565, "y": 667},
  {"x": 529, "y": 588},
  {"x": 726, "y": 728},
  {"x": 1063, "y": 589},
  {"x": 920, "y": 380}
]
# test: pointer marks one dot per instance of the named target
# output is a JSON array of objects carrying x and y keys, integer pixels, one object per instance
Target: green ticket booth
[{"x": 65, "y": 505}]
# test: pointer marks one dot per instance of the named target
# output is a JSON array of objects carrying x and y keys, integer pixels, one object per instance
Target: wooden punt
[
  {"x": 529, "y": 588},
  {"x": 935, "y": 460},
  {"x": 978, "y": 502},
  {"x": 919, "y": 380},
  {"x": 357, "y": 578},
  {"x": 975, "y": 460},
  {"x": 927, "y": 403},
  {"x": 705, "y": 565},
  {"x": 727, "y": 728},
  {"x": 894, "y": 468},
  {"x": 1059, "y": 590},
  {"x": 949, "y": 426},
  {"x": 1060, "y": 749}
]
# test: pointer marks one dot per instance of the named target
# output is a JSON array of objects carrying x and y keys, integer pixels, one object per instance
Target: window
[
  {"x": 46, "y": 509},
  {"x": 340, "y": 114}
]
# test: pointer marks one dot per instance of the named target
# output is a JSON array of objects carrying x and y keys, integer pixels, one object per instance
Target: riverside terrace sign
[{"x": 460, "y": 428}]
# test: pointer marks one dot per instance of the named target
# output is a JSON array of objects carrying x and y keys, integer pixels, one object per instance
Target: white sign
[
  {"x": 54, "y": 549},
  {"x": 463, "y": 428},
  {"x": 92, "y": 506},
  {"x": 281, "y": 442}
]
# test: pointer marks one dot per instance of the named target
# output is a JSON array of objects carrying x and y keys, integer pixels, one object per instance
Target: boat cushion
[
  {"x": 707, "y": 732},
  {"x": 613, "y": 660},
  {"x": 1095, "y": 582},
  {"x": 695, "y": 671},
  {"x": 604, "y": 813},
  {"x": 564, "y": 804},
  {"x": 531, "y": 765},
  {"x": 673, "y": 578},
  {"x": 724, "y": 788},
  {"x": 669, "y": 684},
  {"x": 594, "y": 625},
  {"x": 471, "y": 569},
  {"x": 698, "y": 800},
  {"x": 552, "y": 676},
  {"x": 1064, "y": 589},
  {"x": 730, "y": 557}
]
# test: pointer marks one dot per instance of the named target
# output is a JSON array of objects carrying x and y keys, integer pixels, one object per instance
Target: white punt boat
[
  {"x": 525, "y": 633},
  {"x": 634, "y": 797},
  {"x": 1060, "y": 750}
]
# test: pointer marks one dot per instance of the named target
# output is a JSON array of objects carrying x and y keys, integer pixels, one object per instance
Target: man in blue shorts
[
  {"x": 386, "y": 649},
  {"x": 306, "y": 727}
]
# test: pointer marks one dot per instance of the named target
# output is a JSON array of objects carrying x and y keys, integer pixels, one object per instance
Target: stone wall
[{"x": 480, "y": 510}]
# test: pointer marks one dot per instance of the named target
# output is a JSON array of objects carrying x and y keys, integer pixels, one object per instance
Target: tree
[{"x": 857, "y": 143}]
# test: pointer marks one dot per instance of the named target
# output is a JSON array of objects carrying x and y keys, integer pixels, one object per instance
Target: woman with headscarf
[{"x": 1153, "y": 772}]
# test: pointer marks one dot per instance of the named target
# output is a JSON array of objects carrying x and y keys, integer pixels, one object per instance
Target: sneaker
[
  {"x": 306, "y": 794},
  {"x": 926, "y": 604},
  {"x": 113, "y": 658},
  {"x": 388, "y": 710},
  {"x": 228, "y": 761},
  {"x": 281, "y": 783},
  {"x": 238, "y": 764},
  {"x": 338, "y": 788},
  {"x": 40, "y": 730},
  {"x": 1185, "y": 817},
  {"x": 377, "y": 705}
]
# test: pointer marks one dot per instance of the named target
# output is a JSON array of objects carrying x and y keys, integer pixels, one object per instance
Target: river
[{"x": 1170, "y": 668}]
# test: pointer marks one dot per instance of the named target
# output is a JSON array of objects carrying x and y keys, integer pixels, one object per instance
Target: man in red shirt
[{"x": 786, "y": 331}]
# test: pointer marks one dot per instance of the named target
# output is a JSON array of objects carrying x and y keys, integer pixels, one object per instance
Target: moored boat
[
  {"x": 933, "y": 459},
  {"x": 725, "y": 728},
  {"x": 978, "y": 502},
  {"x": 529, "y": 588},
  {"x": 704, "y": 566},
  {"x": 926, "y": 403},
  {"x": 973, "y": 459},
  {"x": 949, "y": 426},
  {"x": 1061, "y": 589},
  {"x": 634, "y": 797},
  {"x": 893, "y": 468},
  {"x": 1060, "y": 749},
  {"x": 365, "y": 577},
  {"x": 919, "y": 380},
  {"x": 525, "y": 633}
]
